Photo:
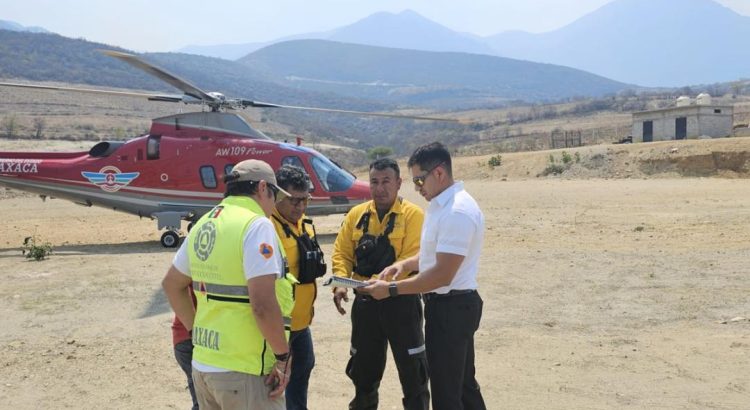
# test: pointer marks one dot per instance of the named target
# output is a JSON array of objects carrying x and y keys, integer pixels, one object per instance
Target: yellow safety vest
[{"x": 225, "y": 333}]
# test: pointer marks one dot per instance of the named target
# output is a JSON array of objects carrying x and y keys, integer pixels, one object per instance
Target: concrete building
[{"x": 691, "y": 120}]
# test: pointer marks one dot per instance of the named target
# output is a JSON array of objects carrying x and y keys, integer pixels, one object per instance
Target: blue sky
[{"x": 165, "y": 25}]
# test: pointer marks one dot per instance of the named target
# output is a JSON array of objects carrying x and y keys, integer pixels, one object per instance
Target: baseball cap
[{"x": 256, "y": 170}]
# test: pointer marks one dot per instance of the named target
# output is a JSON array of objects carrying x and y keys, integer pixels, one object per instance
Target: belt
[
  {"x": 455, "y": 292},
  {"x": 366, "y": 297},
  {"x": 362, "y": 296}
]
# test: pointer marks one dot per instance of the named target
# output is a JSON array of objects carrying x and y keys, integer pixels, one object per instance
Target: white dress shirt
[{"x": 453, "y": 224}]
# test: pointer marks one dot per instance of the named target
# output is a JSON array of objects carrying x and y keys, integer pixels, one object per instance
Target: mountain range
[
  {"x": 312, "y": 72},
  {"x": 445, "y": 80},
  {"x": 646, "y": 42},
  {"x": 51, "y": 57},
  {"x": 13, "y": 26}
]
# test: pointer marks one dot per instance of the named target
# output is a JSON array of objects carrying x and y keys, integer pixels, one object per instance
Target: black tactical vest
[
  {"x": 374, "y": 253},
  {"x": 312, "y": 264}
]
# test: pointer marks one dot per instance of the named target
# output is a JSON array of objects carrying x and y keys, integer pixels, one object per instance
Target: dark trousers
[
  {"x": 183, "y": 352},
  {"x": 375, "y": 324},
  {"x": 450, "y": 323},
  {"x": 303, "y": 361}
]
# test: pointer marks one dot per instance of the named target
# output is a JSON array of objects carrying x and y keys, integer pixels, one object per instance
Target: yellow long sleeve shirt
[
  {"x": 407, "y": 232},
  {"x": 304, "y": 294}
]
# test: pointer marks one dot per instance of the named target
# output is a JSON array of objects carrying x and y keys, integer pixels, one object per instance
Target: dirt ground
[{"x": 599, "y": 294}]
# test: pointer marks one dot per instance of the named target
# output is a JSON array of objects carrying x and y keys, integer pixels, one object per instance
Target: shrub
[
  {"x": 379, "y": 152},
  {"x": 34, "y": 250},
  {"x": 495, "y": 161},
  {"x": 553, "y": 169},
  {"x": 566, "y": 157}
]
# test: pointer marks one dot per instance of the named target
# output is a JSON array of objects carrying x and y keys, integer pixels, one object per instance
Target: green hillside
[
  {"x": 50, "y": 57},
  {"x": 421, "y": 77}
]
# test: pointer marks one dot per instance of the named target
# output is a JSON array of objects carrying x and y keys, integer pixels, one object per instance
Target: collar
[
  {"x": 445, "y": 196},
  {"x": 295, "y": 226},
  {"x": 396, "y": 208},
  {"x": 245, "y": 202}
]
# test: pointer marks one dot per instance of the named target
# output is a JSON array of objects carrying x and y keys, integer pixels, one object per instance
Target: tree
[
  {"x": 10, "y": 124},
  {"x": 39, "y": 125},
  {"x": 379, "y": 152},
  {"x": 737, "y": 87}
]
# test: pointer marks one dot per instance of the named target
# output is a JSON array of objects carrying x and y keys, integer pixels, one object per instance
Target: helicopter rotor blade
[
  {"x": 152, "y": 97},
  {"x": 259, "y": 104},
  {"x": 163, "y": 75}
]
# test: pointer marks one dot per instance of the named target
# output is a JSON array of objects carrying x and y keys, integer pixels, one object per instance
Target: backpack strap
[
  {"x": 391, "y": 224},
  {"x": 285, "y": 226},
  {"x": 315, "y": 234},
  {"x": 364, "y": 222}
]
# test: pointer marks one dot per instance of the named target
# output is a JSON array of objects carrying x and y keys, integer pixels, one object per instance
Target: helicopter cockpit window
[
  {"x": 331, "y": 177},
  {"x": 208, "y": 176},
  {"x": 152, "y": 147},
  {"x": 293, "y": 160}
]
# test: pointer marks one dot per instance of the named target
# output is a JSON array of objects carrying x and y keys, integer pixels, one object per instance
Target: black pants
[
  {"x": 397, "y": 321},
  {"x": 303, "y": 361},
  {"x": 183, "y": 352},
  {"x": 450, "y": 323}
]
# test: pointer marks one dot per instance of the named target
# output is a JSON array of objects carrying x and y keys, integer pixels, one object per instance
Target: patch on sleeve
[{"x": 266, "y": 250}]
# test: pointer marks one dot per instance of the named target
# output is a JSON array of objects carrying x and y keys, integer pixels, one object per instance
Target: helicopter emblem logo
[{"x": 110, "y": 178}]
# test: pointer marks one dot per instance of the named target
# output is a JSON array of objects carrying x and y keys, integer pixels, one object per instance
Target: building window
[
  {"x": 680, "y": 125},
  {"x": 717, "y": 111},
  {"x": 648, "y": 131},
  {"x": 208, "y": 177}
]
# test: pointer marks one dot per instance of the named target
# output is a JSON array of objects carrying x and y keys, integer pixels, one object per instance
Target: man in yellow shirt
[
  {"x": 306, "y": 263},
  {"x": 374, "y": 235}
]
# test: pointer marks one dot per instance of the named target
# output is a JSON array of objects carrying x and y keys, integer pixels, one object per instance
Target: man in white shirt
[{"x": 448, "y": 262}]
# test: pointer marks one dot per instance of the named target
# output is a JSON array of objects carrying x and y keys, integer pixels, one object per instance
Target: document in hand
[{"x": 340, "y": 282}]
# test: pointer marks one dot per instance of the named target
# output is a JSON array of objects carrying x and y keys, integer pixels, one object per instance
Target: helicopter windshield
[{"x": 331, "y": 177}]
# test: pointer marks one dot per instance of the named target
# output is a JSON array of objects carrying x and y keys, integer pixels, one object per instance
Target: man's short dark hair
[
  {"x": 292, "y": 177},
  {"x": 430, "y": 156},
  {"x": 385, "y": 163},
  {"x": 245, "y": 188}
]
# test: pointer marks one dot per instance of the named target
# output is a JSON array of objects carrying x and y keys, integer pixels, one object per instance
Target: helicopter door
[
  {"x": 296, "y": 161},
  {"x": 331, "y": 177},
  {"x": 293, "y": 160}
]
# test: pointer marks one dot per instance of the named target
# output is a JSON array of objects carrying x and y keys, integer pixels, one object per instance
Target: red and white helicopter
[{"x": 173, "y": 173}]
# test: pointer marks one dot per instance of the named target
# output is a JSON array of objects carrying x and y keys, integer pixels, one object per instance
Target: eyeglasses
[
  {"x": 296, "y": 201},
  {"x": 419, "y": 180},
  {"x": 275, "y": 191}
]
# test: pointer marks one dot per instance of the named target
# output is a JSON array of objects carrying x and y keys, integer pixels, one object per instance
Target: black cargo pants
[{"x": 375, "y": 324}]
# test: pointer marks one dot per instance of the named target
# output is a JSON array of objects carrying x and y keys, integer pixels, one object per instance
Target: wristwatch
[
  {"x": 282, "y": 357},
  {"x": 393, "y": 290}
]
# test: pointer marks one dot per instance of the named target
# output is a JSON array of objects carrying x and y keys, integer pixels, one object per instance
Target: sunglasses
[
  {"x": 419, "y": 180},
  {"x": 296, "y": 201},
  {"x": 275, "y": 191}
]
